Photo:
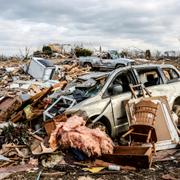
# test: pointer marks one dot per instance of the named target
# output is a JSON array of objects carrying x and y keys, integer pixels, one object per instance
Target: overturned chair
[
  {"x": 151, "y": 128},
  {"x": 150, "y": 121},
  {"x": 142, "y": 115},
  {"x": 142, "y": 118},
  {"x": 142, "y": 125}
]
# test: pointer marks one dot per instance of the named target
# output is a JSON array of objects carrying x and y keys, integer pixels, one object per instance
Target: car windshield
[
  {"x": 114, "y": 54},
  {"x": 86, "y": 88}
]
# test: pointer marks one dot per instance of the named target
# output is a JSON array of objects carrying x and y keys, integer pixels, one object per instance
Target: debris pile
[
  {"x": 151, "y": 128},
  {"x": 71, "y": 72},
  {"x": 37, "y": 74},
  {"x": 39, "y": 129}
]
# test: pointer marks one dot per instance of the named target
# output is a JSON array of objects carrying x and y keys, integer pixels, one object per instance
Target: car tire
[
  {"x": 101, "y": 126},
  {"x": 88, "y": 65},
  {"x": 120, "y": 65}
]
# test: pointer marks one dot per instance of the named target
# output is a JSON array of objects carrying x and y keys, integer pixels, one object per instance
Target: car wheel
[
  {"x": 88, "y": 65},
  {"x": 101, "y": 126},
  {"x": 120, "y": 65}
]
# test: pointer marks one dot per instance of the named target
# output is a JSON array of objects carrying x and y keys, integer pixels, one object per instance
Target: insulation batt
[{"x": 74, "y": 133}]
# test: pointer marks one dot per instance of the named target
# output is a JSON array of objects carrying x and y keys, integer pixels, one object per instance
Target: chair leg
[
  {"x": 149, "y": 136},
  {"x": 127, "y": 133},
  {"x": 154, "y": 148}
]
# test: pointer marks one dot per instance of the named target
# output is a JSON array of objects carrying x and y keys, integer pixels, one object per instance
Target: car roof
[
  {"x": 95, "y": 75},
  {"x": 149, "y": 66},
  {"x": 153, "y": 66},
  {"x": 143, "y": 66}
]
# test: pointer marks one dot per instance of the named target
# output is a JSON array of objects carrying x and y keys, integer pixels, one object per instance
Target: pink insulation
[{"x": 74, "y": 133}]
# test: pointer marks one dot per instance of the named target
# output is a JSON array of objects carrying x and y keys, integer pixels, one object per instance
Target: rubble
[
  {"x": 8, "y": 105},
  {"x": 19, "y": 78},
  {"x": 135, "y": 156},
  {"x": 53, "y": 160},
  {"x": 36, "y": 133}
]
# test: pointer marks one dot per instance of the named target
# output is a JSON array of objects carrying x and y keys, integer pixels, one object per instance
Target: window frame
[
  {"x": 171, "y": 80},
  {"x": 105, "y": 95},
  {"x": 149, "y": 69}
]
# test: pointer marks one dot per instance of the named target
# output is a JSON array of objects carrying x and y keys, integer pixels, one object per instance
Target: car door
[
  {"x": 119, "y": 96},
  {"x": 172, "y": 80},
  {"x": 106, "y": 61}
]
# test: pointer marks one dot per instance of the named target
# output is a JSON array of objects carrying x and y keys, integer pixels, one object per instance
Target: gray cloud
[{"x": 117, "y": 24}]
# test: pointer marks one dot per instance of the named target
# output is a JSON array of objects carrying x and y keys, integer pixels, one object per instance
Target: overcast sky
[{"x": 146, "y": 24}]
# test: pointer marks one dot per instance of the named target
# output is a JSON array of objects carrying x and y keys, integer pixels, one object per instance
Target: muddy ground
[{"x": 160, "y": 170}]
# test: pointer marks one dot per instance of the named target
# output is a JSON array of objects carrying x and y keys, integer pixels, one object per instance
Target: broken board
[{"x": 140, "y": 157}]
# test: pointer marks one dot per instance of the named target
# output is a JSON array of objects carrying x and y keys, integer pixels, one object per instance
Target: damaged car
[
  {"x": 80, "y": 89},
  {"x": 105, "y": 104},
  {"x": 106, "y": 60}
]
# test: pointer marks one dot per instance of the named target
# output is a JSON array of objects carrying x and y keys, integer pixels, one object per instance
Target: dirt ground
[{"x": 162, "y": 168}]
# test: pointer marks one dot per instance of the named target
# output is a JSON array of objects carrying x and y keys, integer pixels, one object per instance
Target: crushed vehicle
[
  {"x": 105, "y": 106},
  {"x": 84, "y": 87},
  {"x": 107, "y": 60}
]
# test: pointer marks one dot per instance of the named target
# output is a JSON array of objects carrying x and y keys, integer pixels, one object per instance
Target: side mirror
[{"x": 115, "y": 89}]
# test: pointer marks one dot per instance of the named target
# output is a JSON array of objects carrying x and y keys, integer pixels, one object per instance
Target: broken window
[
  {"x": 120, "y": 83},
  {"x": 105, "y": 56},
  {"x": 170, "y": 74},
  {"x": 149, "y": 77}
]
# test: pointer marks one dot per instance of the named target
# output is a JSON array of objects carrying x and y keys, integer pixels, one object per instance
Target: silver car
[
  {"x": 106, "y": 61},
  {"x": 108, "y": 103}
]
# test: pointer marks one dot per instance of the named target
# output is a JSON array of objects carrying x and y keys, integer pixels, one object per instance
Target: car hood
[
  {"x": 125, "y": 60},
  {"x": 83, "y": 103}
]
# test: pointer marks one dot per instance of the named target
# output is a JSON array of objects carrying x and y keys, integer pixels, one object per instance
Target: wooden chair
[
  {"x": 143, "y": 116},
  {"x": 144, "y": 113}
]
